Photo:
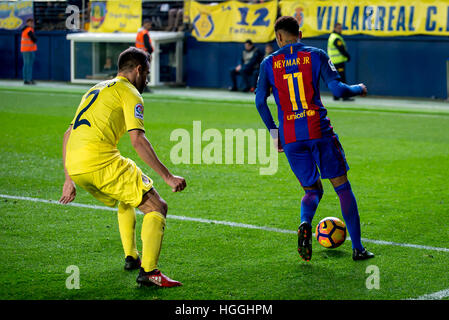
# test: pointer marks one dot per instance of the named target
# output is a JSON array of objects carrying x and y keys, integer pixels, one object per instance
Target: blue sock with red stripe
[
  {"x": 309, "y": 204},
  {"x": 350, "y": 213}
]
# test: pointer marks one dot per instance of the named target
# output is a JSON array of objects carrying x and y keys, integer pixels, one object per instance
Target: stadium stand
[{"x": 165, "y": 16}]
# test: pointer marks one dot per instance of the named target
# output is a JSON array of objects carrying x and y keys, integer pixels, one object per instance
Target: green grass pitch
[{"x": 399, "y": 164}]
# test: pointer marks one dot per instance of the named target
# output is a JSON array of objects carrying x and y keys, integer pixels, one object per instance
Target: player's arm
[
  {"x": 262, "y": 93},
  {"x": 339, "y": 89},
  {"x": 69, "y": 188},
  {"x": 146, "y": 152},
  {"x": 133, "y": 111}
]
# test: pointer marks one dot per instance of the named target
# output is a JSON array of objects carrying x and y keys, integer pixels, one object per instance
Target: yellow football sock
[
  {"x": 152, "y": 233},
  {"x": 127, "y": 228}
]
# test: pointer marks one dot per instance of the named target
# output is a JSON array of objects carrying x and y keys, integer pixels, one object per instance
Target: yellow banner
[
  {"x": 115, "y": 16},
  {"x": 13, "y": 15},
  {"x": 232, "y": 21},
  {"x": 371, "y": 17}
]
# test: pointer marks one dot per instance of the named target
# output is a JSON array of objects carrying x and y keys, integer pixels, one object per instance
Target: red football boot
[{"x": 155, "y": 278}]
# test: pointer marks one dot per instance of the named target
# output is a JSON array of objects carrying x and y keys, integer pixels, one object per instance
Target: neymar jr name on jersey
[{"x": 290, "y": 62}]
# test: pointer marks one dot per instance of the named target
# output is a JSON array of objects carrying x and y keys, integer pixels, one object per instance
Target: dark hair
[
  {"x": 248, "y": 41},
  {"x": 29, "y": 19},
  {"x": 287, "y": 24},
  {"x": 337, "y": 24},
  {"x": 146, "y": 21},
  {"x": 131, "y": 58}
]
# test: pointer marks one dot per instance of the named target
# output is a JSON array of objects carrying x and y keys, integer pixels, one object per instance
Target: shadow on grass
[{"x": 333, "y": 254}]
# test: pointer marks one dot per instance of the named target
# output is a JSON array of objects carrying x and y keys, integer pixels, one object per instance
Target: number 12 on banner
[
  {"x": 261, "y": 14},
  {"x": 291, "y": 89}
]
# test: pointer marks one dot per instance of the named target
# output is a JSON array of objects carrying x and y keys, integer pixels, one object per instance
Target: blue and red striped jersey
[{"x": 293, "y": 73}]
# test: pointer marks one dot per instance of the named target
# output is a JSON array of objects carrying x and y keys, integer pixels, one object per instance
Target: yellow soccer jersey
[{"x": 105, "y": 113}]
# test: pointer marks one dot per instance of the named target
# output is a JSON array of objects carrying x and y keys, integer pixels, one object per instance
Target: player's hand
[
  {"x": 68, "y": 192},
  {"x": 176, "y": 183},
  {"x": 238, "y": 68},
  {"x": 364, "y": 90}
]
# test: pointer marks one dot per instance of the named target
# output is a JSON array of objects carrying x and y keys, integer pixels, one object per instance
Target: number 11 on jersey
[{"x": 291, "y": 88}]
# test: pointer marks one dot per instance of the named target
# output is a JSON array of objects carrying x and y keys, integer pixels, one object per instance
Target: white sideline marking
[
  {"x": 241, "y": 103},
  {"x": 227, "y": 223},
  {"x": 433, "y": 296}
]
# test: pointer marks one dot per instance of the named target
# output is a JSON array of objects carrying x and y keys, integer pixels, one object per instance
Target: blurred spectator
[
  {"x": 175, "y": 19},
  {"x": 50, "y": 15},
  {"x": 164, "y": 16},
  {"x": 168, "y": 16},
  {"x": 28, "y": 47},
  {"x": 268, "y": 49},
  {"x": 143, "y": 40},
  {"x": 107, "y": 67},
  {"x": 248, "y": 68},
  {"x": 338, "y": 53}
]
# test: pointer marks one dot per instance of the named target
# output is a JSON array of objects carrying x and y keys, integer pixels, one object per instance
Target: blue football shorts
[{"x": 307, "y": 156}]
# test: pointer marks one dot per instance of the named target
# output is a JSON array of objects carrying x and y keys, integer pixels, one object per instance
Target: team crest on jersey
[
  {"x": 145, "y": 179},
  {"x": 332, "y": 66},
  {"x": 138, "y": 111}
]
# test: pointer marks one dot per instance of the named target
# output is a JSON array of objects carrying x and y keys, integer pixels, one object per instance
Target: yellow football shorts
[{"x": 121, "y": 180}]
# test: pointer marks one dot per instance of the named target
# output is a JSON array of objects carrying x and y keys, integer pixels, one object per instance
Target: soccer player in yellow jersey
[{"x": 92, "y": 161}]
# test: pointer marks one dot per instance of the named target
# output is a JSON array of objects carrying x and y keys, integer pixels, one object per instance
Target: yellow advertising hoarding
[
  {"x": 115, "y": 16},
  {"x": 232, "y": 21},
  {"x": 371, "y": 17},
  {"x": 13, "y": 15}
]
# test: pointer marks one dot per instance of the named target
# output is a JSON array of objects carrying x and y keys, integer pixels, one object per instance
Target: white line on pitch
[
  {"x": 227, "y": 223},
  {"x": 433, "y": 296},
  {"x": 250, "y": 104}
]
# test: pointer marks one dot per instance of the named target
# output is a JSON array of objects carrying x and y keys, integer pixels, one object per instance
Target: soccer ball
[{"x": 331, "y": 232}]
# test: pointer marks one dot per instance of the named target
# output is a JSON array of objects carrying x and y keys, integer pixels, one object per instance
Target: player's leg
[
  {"x": 310, "y": 201},
  {"x": 331, "y": 160},
  {"x": 127, "y": 227},
  {"x": 309, "y": 204},
  {"x": 126, "y": 217},
  {"x": 124, "y": 181},
  {"x": 349, "y": 210},
  {"x": 305, "y": 169},
  {"x": 153, "y": 225},
  {"x": 155, "y": 210}
]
